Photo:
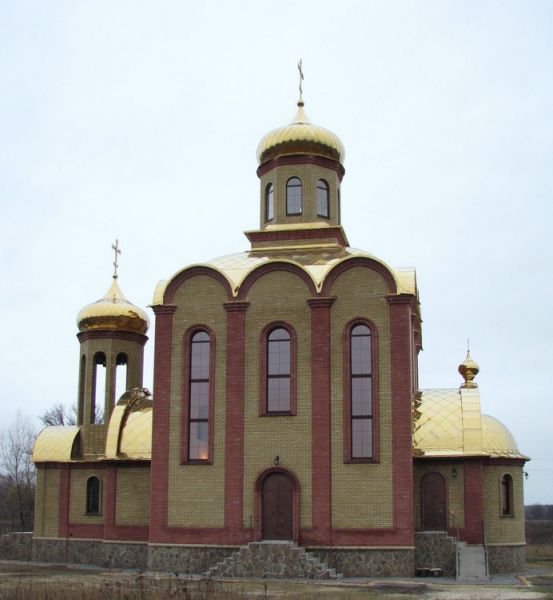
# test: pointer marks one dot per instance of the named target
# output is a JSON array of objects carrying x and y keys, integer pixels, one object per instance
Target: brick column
[
  {"x": 159, "y": 475},
  {"x": 474, "y": 502},
  {"x": 111, "y": 491},
  {"x": 321, "y": 422},
  {"x": 234, "y": 417}
]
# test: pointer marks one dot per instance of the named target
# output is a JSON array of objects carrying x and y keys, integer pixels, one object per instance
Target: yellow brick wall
[
  {"x": 47, "y": 502},
  {"x": 278, "y": 296},
  {"x": 196, "y": 492},
  {"x": 132, "y": 497},
  {"x": 361, "y": 493},
  {"x": 77, "y": 496},
  {"x": 455, "y": 488},
  {"x": 503, "y": 529}
]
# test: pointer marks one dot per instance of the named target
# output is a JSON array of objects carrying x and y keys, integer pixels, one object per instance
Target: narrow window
[
  {"x": 82, "y": 382},
  {"x": 278, "y": 371},
  {"x": 507, "y": 495},
  {"x": 98, "y": 387},
  {"x": 293, "y": 196},
  {"x": 198, "y": 410},
  {"x": 93, "y": 496},
  {"x": 269, "y": 203},
  {"x": 322, "y": 198},
  {"x": 120, "y": 375},
  {"x": 361, "y": 392}
]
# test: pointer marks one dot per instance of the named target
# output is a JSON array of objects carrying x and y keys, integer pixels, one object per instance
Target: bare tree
[
  {"x": 18, "y": 472},
  {"x": 60, "y": 414}
]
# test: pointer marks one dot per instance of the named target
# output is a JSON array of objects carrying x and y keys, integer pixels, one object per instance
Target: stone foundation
[
  {"x": 436, "y": 550},
  {"x": 123, "y": 555},
  {"x": 367, "y": 563},
  {"x": 186, "y": 559},
  {"x": 16, "y": 546},
  {"x": 506, "y": 559}
]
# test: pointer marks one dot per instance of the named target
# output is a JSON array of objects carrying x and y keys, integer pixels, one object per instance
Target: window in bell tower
[
  {"x": 120, "y": 375},
  {"x": 322, "y": 199},
  {"x": 98, "y": 386},
  {"x": 269, "y": 203},
  {"x": 293, "y": 196}
]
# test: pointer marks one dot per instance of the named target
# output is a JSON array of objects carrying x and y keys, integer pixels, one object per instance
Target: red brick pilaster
[
  {"x": 159, "y": 482},
  {"x": 321, "y": 420},
  {"x": 234, "y": 417},
  {"x": 111, "y": 492},
  {"x": 474, "y": 502}
]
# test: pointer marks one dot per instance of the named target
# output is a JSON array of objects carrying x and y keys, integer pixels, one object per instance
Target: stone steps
[
  {"x": 278, "y": 560},
  {"x": 472, "y": 563}
]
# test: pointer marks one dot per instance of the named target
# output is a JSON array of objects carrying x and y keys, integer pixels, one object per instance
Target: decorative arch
[
  {"x": 258, "y": 503},
  {"x": 270, "y": 267},
  {"x": 358, "y": 261},
  {"x": 195, "y": 271}
]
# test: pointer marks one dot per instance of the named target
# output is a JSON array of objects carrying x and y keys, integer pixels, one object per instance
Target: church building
[{"x": 286, "y": 434}]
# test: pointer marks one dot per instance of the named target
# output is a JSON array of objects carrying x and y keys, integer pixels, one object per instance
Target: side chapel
[{"x": 285, "y": 409}]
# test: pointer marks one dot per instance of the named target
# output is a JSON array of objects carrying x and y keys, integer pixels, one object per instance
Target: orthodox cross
[
  {"x": 301, "y": 79},
  {"x": 117, "y": 253}
]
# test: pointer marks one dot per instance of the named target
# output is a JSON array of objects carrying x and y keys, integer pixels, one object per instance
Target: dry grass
[{"x": 539, "y": 538}]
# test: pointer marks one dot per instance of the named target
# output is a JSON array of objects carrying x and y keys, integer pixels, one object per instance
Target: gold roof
[
  {"x": 316, "y": 262},
  {"x": 448, "y": 423},
  {"x": 113, "y": 311},
  {"x": 300, "y": 137},
  {"x": 56, "y": 444}
]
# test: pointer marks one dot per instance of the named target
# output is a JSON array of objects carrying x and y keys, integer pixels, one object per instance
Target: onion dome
[
  {"x": 469, "y": 370},
  {"x": 300, "y": 137},
  {"x": 113, "y": 312}
]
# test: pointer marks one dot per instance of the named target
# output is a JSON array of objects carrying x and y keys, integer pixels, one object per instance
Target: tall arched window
[
  {"x": 360, "y": 381},
  {"x": 506, "y": 495},
  {"x": 98, "y": 387},
  {"x": 322, "y": 199},
  {"x": 279, "y": 371},
  {"x": 93, "y": 496},
  {"x": 199, "y": 397},
  {"x": 269, "y": 203},
  {"x": 293, "y": 196},
  {"x": 120, "y": 375},
  {"x": 82, "y": 384}
]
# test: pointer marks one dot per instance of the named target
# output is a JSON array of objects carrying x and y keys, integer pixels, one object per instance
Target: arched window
[
  {"x": 82, "y": 383},
  {"x": 293, "y": 196},
  {"x": 506, "y": 495},
  {"x": 199, "y": 397},
  {"x": 322, "y": 198},
  {"x": 98, "y": 387},
  {"x": 93, "y": 496},
  {"x": 279, "y": 371},
  {"x": 269, "y": 203},
  {"x": 360, "y": 392},
  {"x": 120, "y": 375}
]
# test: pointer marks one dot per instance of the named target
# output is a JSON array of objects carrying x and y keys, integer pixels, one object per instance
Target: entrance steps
[
  {"x": 471, "y": 562},
  {"x": 273, "y": 559}
]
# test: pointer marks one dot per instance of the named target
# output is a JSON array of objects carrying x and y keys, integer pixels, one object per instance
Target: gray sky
[{"x": 140, "y": 120}]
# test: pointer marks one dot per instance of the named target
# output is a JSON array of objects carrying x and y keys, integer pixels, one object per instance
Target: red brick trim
[
  {"x": 261, "y": 236},
  {"x": 266, "y": 268},
  {"x": 302, "y": 159},
  {"x": 258, "y": 503},
  {"x": 112, "y": 334},
  {"x": 321, "y": 449},
  {"x": 195, "y": 271},
  {"x": 375, "y": 385},
  {"x": 358, "y": 261},
  {"x": 474, "y": 502},
  {"x": 263, "y": 346},
  {"x": 86, "y": 530},
  {"x": 234, "y": 420}
]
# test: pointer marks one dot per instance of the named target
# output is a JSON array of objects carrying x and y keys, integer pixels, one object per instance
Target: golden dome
[
  {"x": 469, "y": 370},
  {"x": 113, "y": 311},
  {"x": 300, "y": 137},
  {"x": 497, "y": 440}
]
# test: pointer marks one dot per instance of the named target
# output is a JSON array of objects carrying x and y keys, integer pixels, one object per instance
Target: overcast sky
[{"x": 140, "y": 121}]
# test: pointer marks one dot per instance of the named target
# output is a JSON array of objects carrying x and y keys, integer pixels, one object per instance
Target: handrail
[{"x": 485, "y": 549}]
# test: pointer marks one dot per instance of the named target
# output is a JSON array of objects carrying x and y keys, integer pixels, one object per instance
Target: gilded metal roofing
[
  {"x": 300, "y": 136},
  {"x": 497, "y": 440},
  {"x": 113, "y": 311},
  {"x": 316, "y": 262},
  {"x": 56, "y": 444}
]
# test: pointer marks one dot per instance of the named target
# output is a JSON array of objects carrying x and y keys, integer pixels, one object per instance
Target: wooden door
[
  {"x": 277, "y": 504},
  {"x": 433, "y": 503}
]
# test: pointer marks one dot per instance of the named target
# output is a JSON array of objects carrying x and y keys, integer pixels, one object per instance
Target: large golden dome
[
  {"x": 300, "y": 137},
  {"x": 114, "y": 312}
]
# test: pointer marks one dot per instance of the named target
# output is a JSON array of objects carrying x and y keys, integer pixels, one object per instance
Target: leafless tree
[
  {"x": 18, "y": 472},
  {"x": 60, "y": 414}
]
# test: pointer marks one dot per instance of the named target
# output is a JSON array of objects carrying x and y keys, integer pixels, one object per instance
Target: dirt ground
[{"x": 40, "y": 581}]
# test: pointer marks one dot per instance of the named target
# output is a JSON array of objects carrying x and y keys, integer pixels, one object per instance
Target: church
[{"x": 286, "y": 434}]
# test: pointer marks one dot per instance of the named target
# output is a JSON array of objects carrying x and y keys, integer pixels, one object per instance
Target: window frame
[
  {"x": 506, "y": 495},
  {"x": 88, "y": 511},
  {"x": 186, "y": 396},
  {"x": 269, "y": 193},
  {"x": 300, "y": 186},
  {"x": 264, "y": 370},
  {"x": 347, "y": 394},
  {"x": 327, "y": 189}
]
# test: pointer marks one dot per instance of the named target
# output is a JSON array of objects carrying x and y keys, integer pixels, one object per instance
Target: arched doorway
[
  {"x": 277, "y": 507},
  {"x": 433, "y": 502}
]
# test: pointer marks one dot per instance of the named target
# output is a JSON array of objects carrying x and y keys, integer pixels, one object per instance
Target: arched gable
[
  {"x": 195, "y": 271},
  {"x": 359, "y": 261},
  {"x": 261, "y": 270}
]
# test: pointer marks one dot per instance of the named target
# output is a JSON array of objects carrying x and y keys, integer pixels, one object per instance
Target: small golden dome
[
  {"x": 300, "y": 137},
  {"x": 113, "y": 311},
  {"x": 469, "y": 370}
]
